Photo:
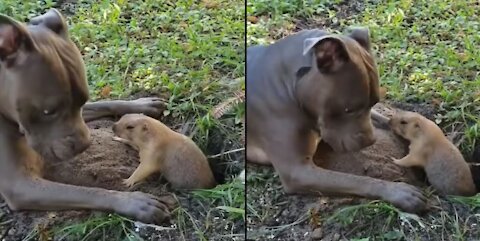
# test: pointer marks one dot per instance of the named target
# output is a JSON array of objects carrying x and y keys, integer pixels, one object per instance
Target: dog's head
[
  {"x": 340, "y": 87},
  {"x": 45, "y": 84}
]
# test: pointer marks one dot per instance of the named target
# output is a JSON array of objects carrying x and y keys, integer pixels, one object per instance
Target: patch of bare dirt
[
  {"x": 344, "y": 11},
  {"x": 105, "y": 164}
]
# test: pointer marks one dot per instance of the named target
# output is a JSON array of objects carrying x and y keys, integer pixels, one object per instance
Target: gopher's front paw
[
  {"x": 395, "y": 160},
  {"x": 128, "y": 182}
]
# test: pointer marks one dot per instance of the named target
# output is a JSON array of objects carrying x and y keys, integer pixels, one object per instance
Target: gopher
[
  {"x": 446, "y": 169},
  {"x": 161, "y": 149}
]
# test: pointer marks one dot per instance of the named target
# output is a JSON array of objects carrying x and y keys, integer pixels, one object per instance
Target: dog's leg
[
  {"x": 115, "y": 108},
  {"x": 256, "y": 155},
  {"x": 28, "y": 193},
  {"x": 379, "y": 120},
  {"x": 292, "y": 159}
]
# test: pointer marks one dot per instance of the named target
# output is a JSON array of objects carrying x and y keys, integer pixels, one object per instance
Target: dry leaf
[
  {"x": 383, "y": 93},
  {"x": 105, "y": 92},
  {"x": 436, "y": 102},
  {"x": 252, "y": 19},
  {"x": 210, "y": 4}
]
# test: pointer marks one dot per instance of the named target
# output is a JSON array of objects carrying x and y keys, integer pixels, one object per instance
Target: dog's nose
[
  {"x": 82, "y": 145},
  {"x": 370, "y": 140},
  {"x": 366, "y": 139},
  {"x": 81, "y": 140}
]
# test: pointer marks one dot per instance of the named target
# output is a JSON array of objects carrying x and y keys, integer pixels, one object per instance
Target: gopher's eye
[
  {"x": 129, "y": 127},
  {"x": 348, "y": 111},
  {"x": 403, "y": 122}
]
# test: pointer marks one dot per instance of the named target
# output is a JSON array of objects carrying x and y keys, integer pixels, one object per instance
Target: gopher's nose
[{"x": 114, "y": 128}]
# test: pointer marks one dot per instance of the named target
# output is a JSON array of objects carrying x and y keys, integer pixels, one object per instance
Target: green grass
[
  {"x": 427, "y": 52},
  {"x": 95, "y": 228},
  {"x": 190, "y": 51}
]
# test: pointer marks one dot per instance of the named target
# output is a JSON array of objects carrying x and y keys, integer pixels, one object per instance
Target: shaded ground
[{"x": 105, "y": 164}]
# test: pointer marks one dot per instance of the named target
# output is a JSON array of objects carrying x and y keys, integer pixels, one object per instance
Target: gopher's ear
[
  {"x": 144, "y": 127},
  {"x": 13, "y": 38},
  {"x": 416, "y": 128},
  {"x": 329, "y": 51},
  {"x": 361, "y": 35},
  {"x": 52, "y": 20}
]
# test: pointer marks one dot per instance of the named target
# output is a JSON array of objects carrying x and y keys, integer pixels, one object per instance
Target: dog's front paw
[
  {"x": 150, "y": 106},
  {"x": 405, "y": 196},
  {"x": 143, "y": 207}
]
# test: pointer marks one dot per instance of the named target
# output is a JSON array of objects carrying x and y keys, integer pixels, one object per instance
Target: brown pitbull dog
[
  {"x": 315, "y": 84},
  {"x": 43, "y": 89}
]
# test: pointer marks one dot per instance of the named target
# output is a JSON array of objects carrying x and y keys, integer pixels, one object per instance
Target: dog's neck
[{"x": 6, "y": 98}]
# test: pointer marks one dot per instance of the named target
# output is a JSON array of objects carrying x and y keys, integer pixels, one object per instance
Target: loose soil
[{"x": 105, "y": 164}]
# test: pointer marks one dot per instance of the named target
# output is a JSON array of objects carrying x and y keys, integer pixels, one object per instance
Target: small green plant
[{"x": 92, "y": 229}]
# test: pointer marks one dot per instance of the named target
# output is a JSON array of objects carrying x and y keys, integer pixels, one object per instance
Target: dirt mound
[
  {"x": 104, "y": 164},
  {"x": 373, "y": 161}
]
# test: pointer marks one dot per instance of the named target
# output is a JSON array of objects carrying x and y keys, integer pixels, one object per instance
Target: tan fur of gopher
[
  {"x": 444, "y": 165},
  {"x": 161, "y": 149}
]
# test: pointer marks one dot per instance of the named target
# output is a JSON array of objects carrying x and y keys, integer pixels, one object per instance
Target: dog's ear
[
  {"x": 13, "y": 38},
  {"x": 361, "y": 35},
  {"x": 52, "y": 20},
  {"x": 329, "y": 51}
]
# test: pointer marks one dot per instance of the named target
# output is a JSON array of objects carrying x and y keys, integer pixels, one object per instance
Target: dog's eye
[
  {"x": 129, "y": 127},
  {"x": 47, "y": 112},
  {"x": 403, "y": 122}
]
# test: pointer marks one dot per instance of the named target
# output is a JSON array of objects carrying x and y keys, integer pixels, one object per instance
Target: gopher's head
[
  {"x": 407, "y": 124},
  {"x": 133, "y": 127}
]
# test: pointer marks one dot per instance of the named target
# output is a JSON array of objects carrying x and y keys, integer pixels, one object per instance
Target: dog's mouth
[{"x": 52, "y": 155}]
